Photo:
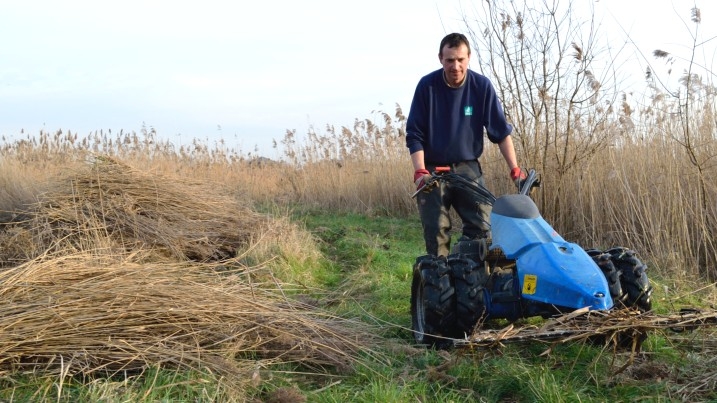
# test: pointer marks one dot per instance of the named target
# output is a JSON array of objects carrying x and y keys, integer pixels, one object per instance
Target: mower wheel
[
  {"x": 469, "y": 279},
  {"x": 636, "y": 288},
  {"x": 433, "y": 317},
  {"x": 612, "y": 274}
]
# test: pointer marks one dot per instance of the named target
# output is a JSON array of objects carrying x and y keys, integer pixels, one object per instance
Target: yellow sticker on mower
[{"x": 530, "y": 283}]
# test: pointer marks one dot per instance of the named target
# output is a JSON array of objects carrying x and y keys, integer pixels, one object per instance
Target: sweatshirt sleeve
[
  {"x": 417, "y": 122},
  {"x": 496, "y": 125}
]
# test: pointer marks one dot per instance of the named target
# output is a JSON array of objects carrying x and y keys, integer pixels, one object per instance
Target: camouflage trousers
[{"x": 434, "y": 206}]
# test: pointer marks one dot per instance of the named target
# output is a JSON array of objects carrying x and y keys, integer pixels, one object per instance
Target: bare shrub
[{"x": 558, "y": 84}]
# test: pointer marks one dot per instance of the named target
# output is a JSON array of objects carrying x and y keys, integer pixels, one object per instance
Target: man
[{"x": 450, "y": 110}]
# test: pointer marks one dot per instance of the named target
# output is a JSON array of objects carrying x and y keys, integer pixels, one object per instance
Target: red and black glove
[
  {"x": 518, "y": 176},
  {"x": 419, "y": 177}
]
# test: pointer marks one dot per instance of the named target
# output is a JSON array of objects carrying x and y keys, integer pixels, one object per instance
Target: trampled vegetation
[{"x": 133, "y": 270}]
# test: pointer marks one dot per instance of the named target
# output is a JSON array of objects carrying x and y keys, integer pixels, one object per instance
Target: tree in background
[{"x": 558, "y": 83}]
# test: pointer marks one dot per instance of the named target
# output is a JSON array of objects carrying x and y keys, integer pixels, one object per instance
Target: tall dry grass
[
  {"x": 359, "y": 168},
  {"x": 646, "y": 189}
]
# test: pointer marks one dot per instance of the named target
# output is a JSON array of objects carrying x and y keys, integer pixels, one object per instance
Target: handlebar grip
[
  {"x": 423, "y": 187},
  {"x": 530, "y": 181},
  {"x": 436, "y": 171}
]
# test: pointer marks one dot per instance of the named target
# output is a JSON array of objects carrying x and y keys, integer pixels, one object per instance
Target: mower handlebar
[
  {"x": 444, "y": 174},
  {"x": 530, "y": 182}
]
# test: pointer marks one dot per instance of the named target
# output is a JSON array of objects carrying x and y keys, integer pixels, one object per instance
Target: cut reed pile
[
  {"x": 692, "y": 378},
  {"x": 114, "y": 269},
  {"x": 83, "y": 313},
  {"x": 613, "y": 326},
  {"x": 108, "y": 200}
]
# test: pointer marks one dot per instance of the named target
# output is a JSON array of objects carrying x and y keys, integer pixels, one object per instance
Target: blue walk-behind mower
[{"x": 525, "y": 269}]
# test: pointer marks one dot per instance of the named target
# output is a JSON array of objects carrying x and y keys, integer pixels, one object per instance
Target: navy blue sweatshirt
[{"x": 448, "y": 123}]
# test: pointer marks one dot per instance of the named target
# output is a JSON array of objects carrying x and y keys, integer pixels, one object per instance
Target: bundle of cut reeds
[
  {"x": 84, "y": 313},
  {"x": 108, "y": 204},
  {"x": 616, "y": 326}
]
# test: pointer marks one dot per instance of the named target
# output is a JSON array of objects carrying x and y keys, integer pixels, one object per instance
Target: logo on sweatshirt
[{"x": 467, "y": 111}]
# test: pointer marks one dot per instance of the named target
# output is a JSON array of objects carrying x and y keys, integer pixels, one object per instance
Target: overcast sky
[{"x": 245, "y": 71}]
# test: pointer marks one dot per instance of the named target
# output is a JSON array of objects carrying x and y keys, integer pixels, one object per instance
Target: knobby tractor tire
[
  {"x": 433, "y": 314},
  {"x": 612, "y": 274},
  {"x": 636, "y": 288},
  {"x": 469, "y": 279},
  {"x": 626, "y": 277},
  {"x": 629, "y": 288}
]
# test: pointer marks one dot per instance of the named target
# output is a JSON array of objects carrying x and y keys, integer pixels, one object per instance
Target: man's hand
[
  {"x": 420, "y": 177},
  {"x": 518, "y": 176}
]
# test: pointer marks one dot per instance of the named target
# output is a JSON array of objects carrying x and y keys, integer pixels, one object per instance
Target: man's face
[{"x": 455, "y": 63}]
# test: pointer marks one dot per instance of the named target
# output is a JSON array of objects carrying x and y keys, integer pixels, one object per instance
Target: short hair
[{"x": 453, "y": 41}]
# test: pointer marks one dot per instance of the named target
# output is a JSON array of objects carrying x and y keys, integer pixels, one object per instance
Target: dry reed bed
[{"x": 116, "y": 269}]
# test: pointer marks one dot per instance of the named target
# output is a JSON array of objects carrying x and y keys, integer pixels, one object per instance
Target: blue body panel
[{"x": 550, "y": 270}]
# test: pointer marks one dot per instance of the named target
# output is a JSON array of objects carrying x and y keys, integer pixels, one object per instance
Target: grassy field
[
  {"x": 132, "y": 274},
  {"x": 374, "y": 258},
  {"x": 132, "y": 270}
]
